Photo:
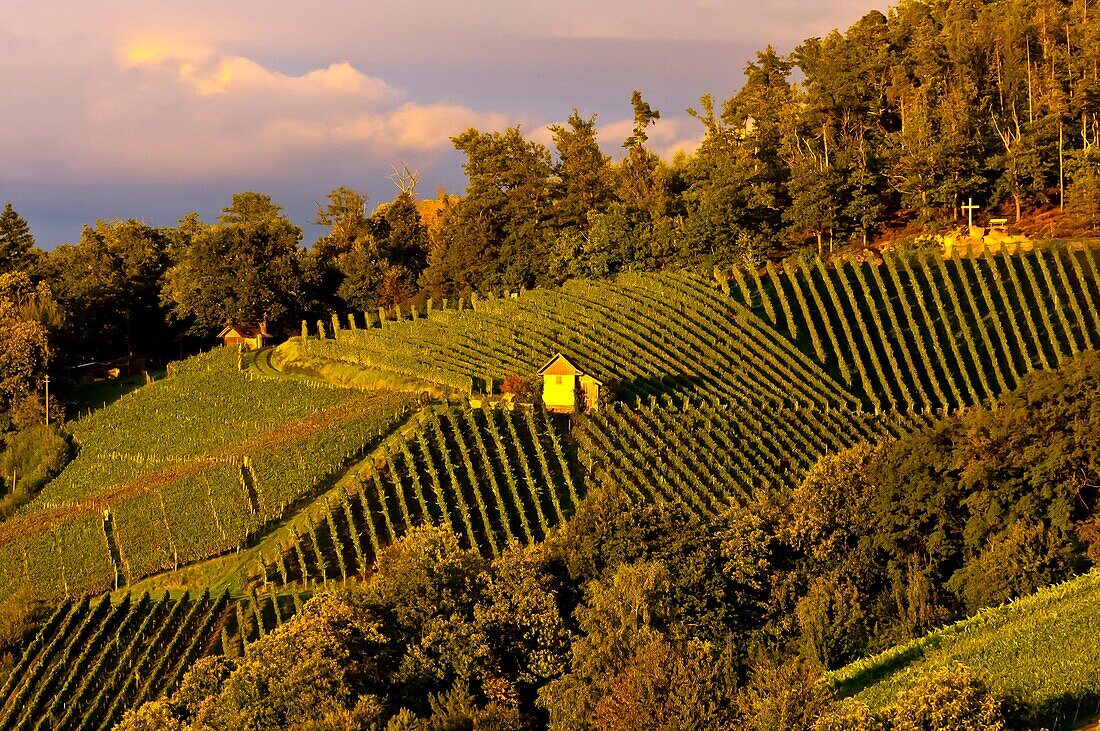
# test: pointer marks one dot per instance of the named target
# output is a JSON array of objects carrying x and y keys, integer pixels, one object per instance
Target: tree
[
  {"x": 246, "y": 268},
  {"x": 782, "y": 695},
  {"x": 112, "y": 277},
  {"x": 17, "y": 251},
  {"x": 498, "y": 233},
  {"x": 1083, "y": 196},
  {"x": 582, "y": 175},
  {"x": 25, "y": 350},
  {"x": 384, "y": 263},
  {"x": 346, "y": 216},
  {"x": 641, "y": 185}
]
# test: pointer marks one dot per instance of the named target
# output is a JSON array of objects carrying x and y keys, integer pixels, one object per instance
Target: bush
[
  {"x": 950, "y": 700},
  {"x": 518, "y": 386},
  {"x": 32, "y": 458}
]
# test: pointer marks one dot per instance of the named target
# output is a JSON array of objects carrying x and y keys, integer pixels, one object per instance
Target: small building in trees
[
  {"x": 250, "y": 337},
  {"x": 566, "y": 388}
]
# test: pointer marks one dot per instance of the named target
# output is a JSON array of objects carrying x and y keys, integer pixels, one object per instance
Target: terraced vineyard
[
  {"x": 933, "y": 333},
  {"x": 710, "y": 455},
  {"x": 136, "y": 501},
  {"x": 654, "y": 334},
  {"x": 499, "y": 478},
  {"x": 495, "y": 477},
  {"x": 94, "y": 659}
]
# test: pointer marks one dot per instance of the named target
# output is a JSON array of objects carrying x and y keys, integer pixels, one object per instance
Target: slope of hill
[
  {"x": 183, "y": 469},
  {"x": 928, "y": 332},
  {"x": 95, "y": 659},
  {"x": 1040, "y": 651},
  {"x": 653, "y": 334},
  {"x": 496, "y": 478}
]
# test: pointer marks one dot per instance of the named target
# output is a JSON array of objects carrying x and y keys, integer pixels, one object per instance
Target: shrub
[
  {"x": 950, "y": 700},
  {"x": 518, "y": 386},
  {"x": 32, "y": 458}
]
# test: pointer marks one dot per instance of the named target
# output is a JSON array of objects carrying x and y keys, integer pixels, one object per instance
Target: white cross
[{"x": 970, "y": 208}]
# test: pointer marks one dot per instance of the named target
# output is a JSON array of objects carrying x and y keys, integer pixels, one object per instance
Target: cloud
[
  {"x": 169, "y": 111},
  {"x": 240, "y": 116},
  {"x": 209, "y": 73}
]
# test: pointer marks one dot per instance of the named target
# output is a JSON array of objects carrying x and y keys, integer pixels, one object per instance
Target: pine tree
[{"x": 17, "y": 250}]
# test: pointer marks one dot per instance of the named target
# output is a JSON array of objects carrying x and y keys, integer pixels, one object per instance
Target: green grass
[
  {"x": 1041, "y": 650},
  {"x": 86, "y": 397}
]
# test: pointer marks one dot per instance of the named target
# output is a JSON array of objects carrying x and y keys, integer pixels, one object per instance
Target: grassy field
[{"x": 1040, "y": 650}]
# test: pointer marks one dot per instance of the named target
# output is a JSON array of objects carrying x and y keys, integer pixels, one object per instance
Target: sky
[{"x": 151, "y": 109}]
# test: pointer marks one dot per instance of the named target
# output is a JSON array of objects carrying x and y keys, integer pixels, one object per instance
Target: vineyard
[
  {"x": 709, "y": 455},
  {"x": 932, "y": 333},
  {"x": 241, "y": 454},
  {"x": 94, "y": 659},
  {"x": 653, "y": 334},
  {"x": 497, "y": 478},
  {"x": 1039, "y": 650}
]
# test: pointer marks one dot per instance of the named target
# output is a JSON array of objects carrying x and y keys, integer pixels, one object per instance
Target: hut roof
[
  {"x": 244, "y": 331},
  {"x": 559, "y": 365}
]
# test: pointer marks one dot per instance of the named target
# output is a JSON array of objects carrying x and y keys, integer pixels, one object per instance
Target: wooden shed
[
  {"x": 566, "y": 388},
  {"x": 251, "y": 337}
]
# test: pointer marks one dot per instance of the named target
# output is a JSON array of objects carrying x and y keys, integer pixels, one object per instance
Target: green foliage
[
  {"x": 784, "y": 695},
  {"x": 31, "y": 458},
  {"x": 246, "y": 268},
  {"x": 24, "y": 339},
  {"x": 17, "y": 251},
  {"x": 111, "y": 279},
  {"x": 949, "y": 700},
  {"x": 496, "y": 234}
]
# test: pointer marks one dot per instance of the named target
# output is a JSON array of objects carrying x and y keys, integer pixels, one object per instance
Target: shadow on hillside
[
  {"x": 878, "y": 672},
  {"x": 681, "y": 384}
]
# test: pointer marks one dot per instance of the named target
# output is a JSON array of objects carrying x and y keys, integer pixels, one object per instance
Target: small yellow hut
[{"x": 566, "y": 388}]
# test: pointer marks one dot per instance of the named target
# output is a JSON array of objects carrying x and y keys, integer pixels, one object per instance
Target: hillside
[
  {"x": 928, "y": 332},
  {"x": 696, "y": 372},
  {"x": 1040, "y": 651},
  {"x": 183, "y": 469},
  {"x": 95, "y": 659},
  {"x": 653, "y": 334}
]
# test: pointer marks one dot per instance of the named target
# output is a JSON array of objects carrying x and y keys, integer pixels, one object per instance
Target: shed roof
[
  {"x": 244, "y": 331},
  {"x": 559, "y": 365}
]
